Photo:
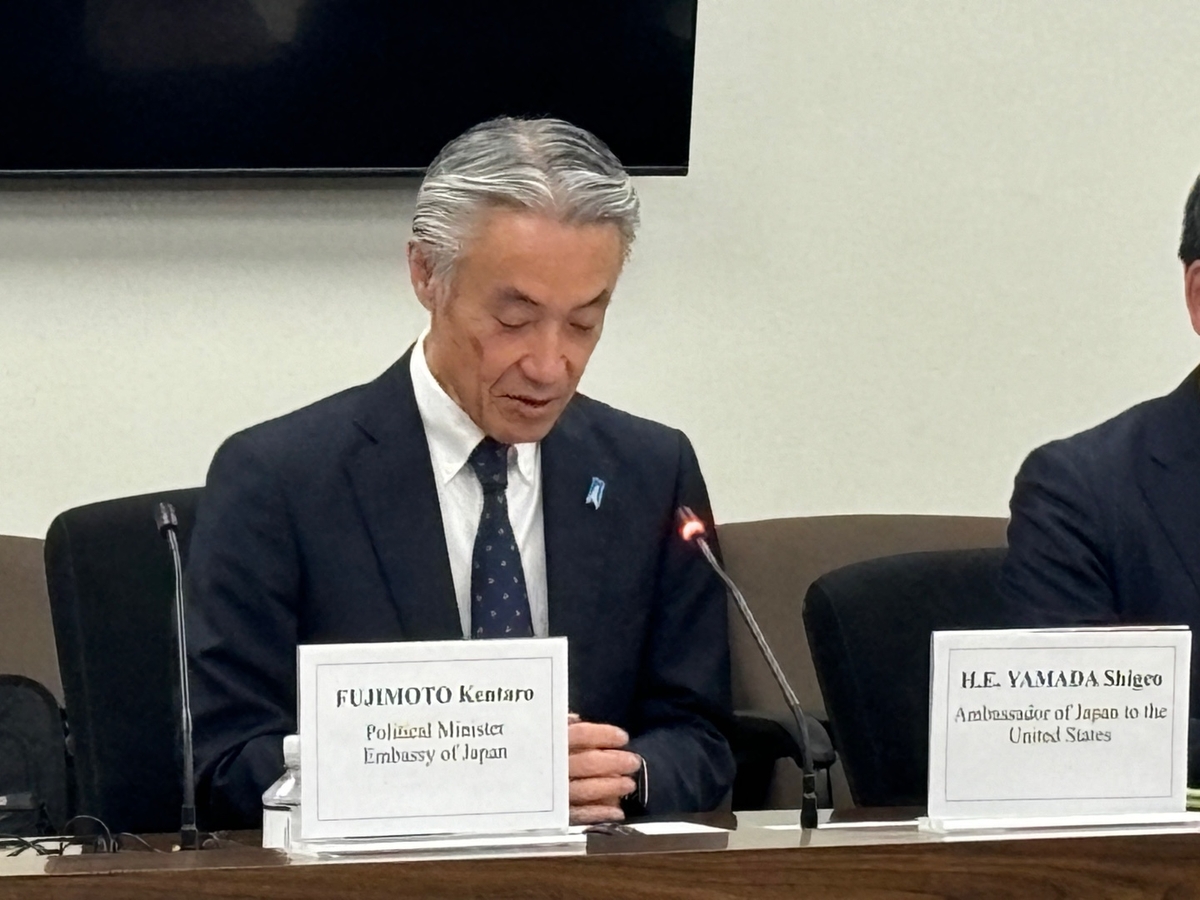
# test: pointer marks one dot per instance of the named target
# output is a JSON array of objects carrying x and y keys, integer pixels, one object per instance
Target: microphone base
[
  {"x": 808, "y": 801},
  {"x": 189, "y": 835}
]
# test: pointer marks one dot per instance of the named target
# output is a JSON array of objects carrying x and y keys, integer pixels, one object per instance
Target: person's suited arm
[
  {"x": 1057, "y": 571},
  {"x": 243, "y": 579},
  {"x": 684, "y": 692}
]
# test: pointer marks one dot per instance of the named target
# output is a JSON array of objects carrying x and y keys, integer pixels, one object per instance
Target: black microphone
[
  {"x": 692, "y": 529},
  {"x": 165, "y": 518},
  {"x": 189, "y": 837}
]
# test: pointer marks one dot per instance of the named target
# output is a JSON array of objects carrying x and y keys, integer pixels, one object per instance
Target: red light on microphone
[{"x": 690, "y": 525}]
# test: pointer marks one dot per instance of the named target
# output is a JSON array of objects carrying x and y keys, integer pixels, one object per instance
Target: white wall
[{"x": 918, "y": 239}]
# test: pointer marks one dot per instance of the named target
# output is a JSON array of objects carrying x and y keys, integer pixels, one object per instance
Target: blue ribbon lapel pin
[{"x": 595, "y": 493}]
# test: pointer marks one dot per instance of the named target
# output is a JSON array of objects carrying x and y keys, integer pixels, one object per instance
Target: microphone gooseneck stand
[
  {"x": 692, "y": 529},
  {"x": 189, "y": 836}
]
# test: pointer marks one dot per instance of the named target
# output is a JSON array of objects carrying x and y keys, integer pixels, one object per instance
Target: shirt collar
[{"x": 450, "y": 432}]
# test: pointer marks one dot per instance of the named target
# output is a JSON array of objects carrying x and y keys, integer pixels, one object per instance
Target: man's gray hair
[{"x": 546, "y": 165}]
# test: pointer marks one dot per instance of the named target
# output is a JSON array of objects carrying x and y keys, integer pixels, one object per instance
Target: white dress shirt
[{"x": 452, "y": 436}]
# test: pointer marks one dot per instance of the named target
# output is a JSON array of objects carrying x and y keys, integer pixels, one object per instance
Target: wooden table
[{"x": 758, "y": 860}]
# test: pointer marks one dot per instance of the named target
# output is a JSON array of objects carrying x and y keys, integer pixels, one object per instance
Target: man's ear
[
  {"x": 1191, "y": 288},
  {"x": 420, "y": 270}
]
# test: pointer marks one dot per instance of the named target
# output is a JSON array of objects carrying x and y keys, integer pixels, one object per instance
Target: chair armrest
[{"x": 774, "y": 735}]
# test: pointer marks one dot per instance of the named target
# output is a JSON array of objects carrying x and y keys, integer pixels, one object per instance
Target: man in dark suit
[
  {"x": 375, "y": 514},
  {"x": 1105, "y": 525}
]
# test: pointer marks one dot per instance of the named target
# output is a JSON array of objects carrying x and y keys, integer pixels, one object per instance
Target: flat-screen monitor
[{"x": 164, "y": 87}]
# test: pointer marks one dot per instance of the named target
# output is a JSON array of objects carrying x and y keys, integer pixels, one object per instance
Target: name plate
[
  {"x": 1062, "y": 724},
  {"x": 436, "y": 737}
]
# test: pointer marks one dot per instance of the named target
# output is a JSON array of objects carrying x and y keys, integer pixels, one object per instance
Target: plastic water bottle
[{"x": 281, "y": 801}]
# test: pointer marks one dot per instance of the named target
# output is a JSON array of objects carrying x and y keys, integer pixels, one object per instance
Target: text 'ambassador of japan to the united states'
[{"x": 470, "y": 492}]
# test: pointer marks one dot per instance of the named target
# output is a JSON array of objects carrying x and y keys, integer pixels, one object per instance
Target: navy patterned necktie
[{"x": 499, "y": 602}]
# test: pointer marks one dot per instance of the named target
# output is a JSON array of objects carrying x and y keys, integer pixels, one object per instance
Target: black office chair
[
  {"x": 869, "y": 627},
  {"x": 111, "y": 584},
  {"x": 34, "y": 777}
]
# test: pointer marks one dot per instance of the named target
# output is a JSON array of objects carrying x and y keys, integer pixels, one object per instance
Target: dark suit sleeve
[
  {"x": 684, "y": 707},
  {"x": 1057, "y": 570},
  {"x": 243, "y": 579}
]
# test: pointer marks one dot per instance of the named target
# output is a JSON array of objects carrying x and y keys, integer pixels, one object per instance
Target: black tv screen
[{"x": 331, "y": 86}]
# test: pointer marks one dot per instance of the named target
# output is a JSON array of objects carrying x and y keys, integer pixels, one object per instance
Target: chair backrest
[
  {"x": 869, "y": 626},
  {"x": 775, "y": 560},
  {"x": 26, "y": 633},
  {"x": 111, "y": 585}
]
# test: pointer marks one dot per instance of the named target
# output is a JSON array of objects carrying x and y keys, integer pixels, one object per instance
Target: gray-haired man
[{"x": 377, "y": 514}]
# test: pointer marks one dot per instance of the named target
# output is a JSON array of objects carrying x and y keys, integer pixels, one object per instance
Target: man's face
[
  {"x": 511, "y": 335},
  {"x": 1191, "y": 285}
]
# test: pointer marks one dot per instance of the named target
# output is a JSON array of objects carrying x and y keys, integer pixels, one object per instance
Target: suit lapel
[
  {"x": 578, "y": 535},
  {"x": 396, "y": 493},
  {"x": 1172, "y": 481}
]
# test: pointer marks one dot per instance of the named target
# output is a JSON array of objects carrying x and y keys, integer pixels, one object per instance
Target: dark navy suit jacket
[
  {"x": 1105, "y": 527},
  {"x": 324, "y": 526}
]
